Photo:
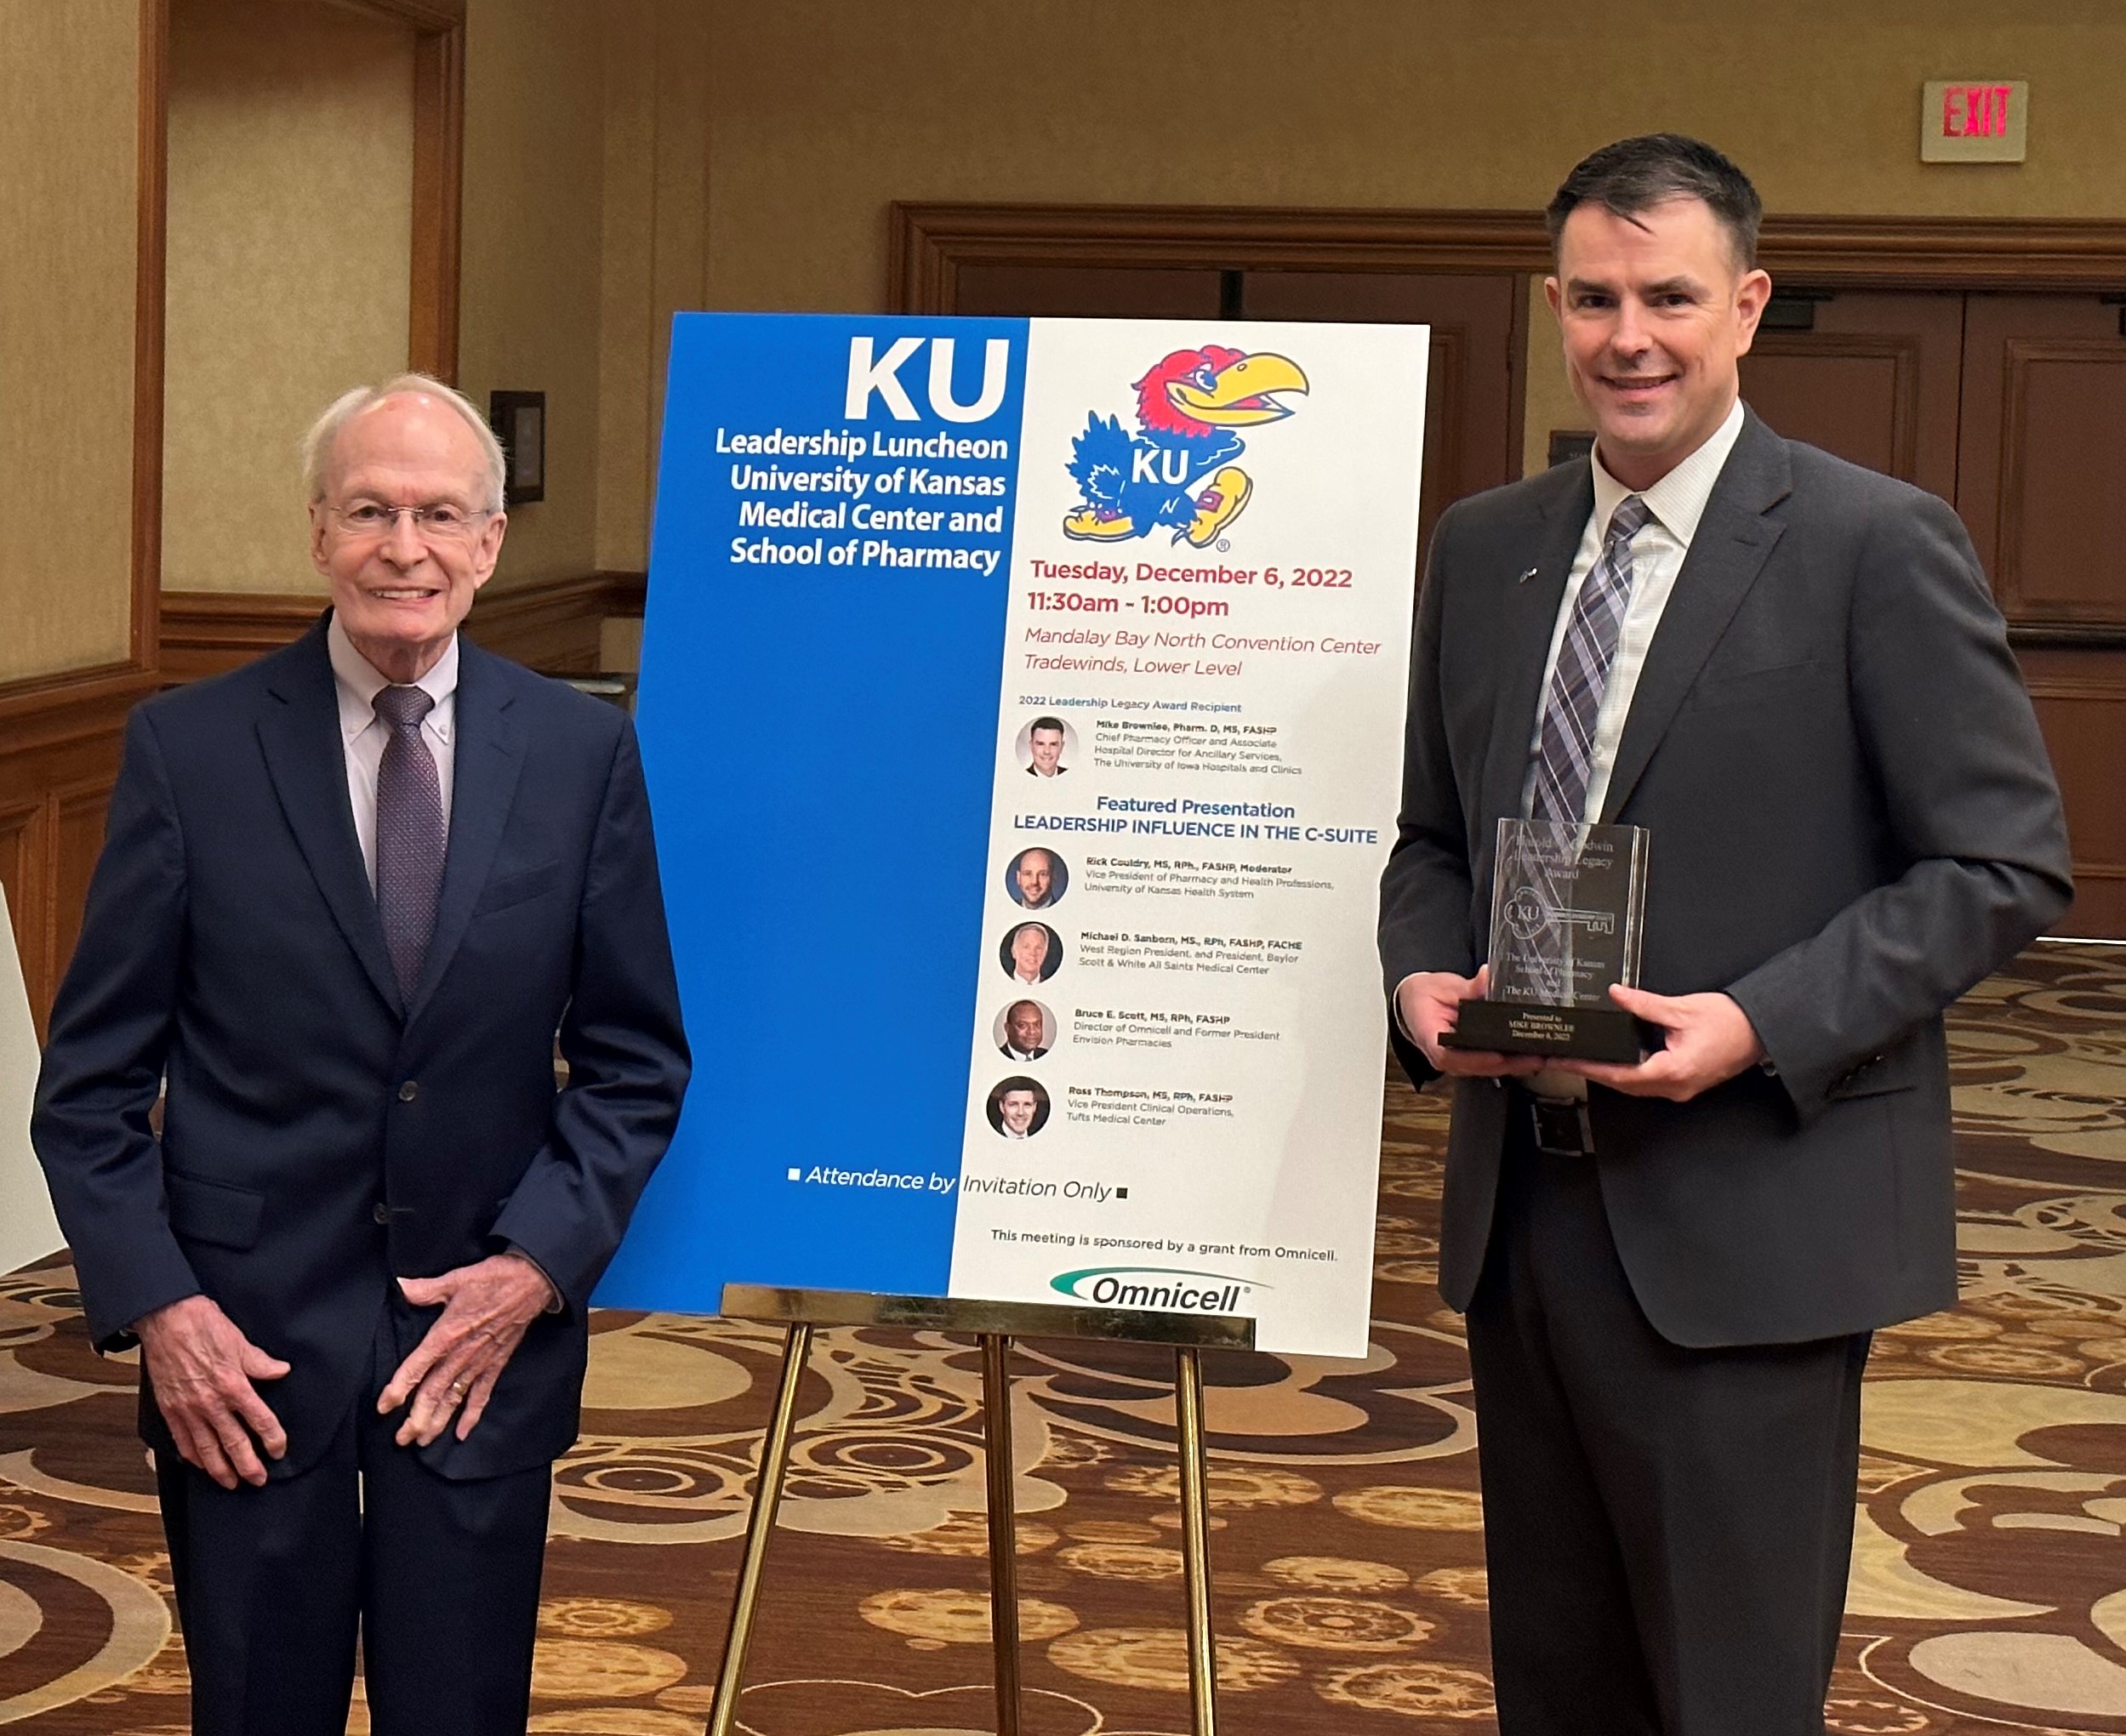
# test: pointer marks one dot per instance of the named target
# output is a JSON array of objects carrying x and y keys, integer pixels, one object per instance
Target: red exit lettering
[{"x": 1974, "y": 111}]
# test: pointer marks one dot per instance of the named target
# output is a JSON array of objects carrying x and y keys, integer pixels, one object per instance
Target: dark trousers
[
  {"x": 440, "y": 1579},
  {"x": 1667, "y": 1530}
]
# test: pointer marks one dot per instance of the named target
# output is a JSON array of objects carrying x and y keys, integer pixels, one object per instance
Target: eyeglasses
[{"x": 438, "y": 522}]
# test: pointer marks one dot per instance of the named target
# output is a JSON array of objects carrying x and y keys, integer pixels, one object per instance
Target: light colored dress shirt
[
  {"x": 1677, "y": 503},
  {"x": 362, "y": 733}
]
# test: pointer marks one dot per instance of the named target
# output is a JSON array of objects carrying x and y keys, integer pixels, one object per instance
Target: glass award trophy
[{"x": 1567, "y": 908}]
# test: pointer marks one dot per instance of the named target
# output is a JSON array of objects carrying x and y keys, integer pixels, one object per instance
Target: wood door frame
[
  {"x": 439, "y": 176},
  {"x": 60, "y": 733},
  {"x": 929, "y": 243}
]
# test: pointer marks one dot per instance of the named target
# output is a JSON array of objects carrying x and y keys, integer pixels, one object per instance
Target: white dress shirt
[
  {"x": 1677, "y": 503},
  {"x": 362, "y": 733}
]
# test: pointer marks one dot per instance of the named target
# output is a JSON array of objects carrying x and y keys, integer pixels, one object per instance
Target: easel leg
[
  {"x": 997, "y": 1428},
  {"x": 767, "y": 1496},
  {"x": 1195, "y": 1542}
]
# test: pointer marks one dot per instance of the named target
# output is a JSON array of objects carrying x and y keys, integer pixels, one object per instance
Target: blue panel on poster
[{"x": 819, "y": 735}]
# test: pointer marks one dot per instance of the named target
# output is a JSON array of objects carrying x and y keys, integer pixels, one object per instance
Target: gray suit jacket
[{"x": 1853, "y": 820}]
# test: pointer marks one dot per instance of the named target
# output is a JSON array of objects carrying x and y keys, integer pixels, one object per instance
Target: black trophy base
[{"x": 1526, "y": 1027}]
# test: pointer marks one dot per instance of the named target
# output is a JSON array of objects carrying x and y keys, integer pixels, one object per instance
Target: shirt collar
[
  {"x": 1679, "y": 499},
  {"x": 358, "y": 682}
]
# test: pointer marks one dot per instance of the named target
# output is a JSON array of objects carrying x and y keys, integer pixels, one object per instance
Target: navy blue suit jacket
[{"x": 320, "y": 1136}]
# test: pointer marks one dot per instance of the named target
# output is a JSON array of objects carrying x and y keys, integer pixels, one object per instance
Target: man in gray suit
[{"x": 1791, "y": 672}]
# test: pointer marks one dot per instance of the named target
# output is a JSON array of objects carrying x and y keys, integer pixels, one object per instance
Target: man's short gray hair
[{"x": 317, "y": 444}]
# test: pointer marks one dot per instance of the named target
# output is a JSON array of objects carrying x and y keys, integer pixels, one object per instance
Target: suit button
[
  {"x": 408, "y": 1091},
  {"x": 382, "y": 1213}
]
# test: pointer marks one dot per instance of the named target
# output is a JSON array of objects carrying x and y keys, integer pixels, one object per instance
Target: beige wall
[
  {"x": 531, "y": 265},
  {"x": 68, "y": 142},
  {"x": 659, "y": 126},
  {"x": 823, "y": 110},
  {"x": 781, "y": 133},
  {"x": 290, "y": 178},
  {"x": 1549, "y": 402},
  {"x": 625, "y": 158}
]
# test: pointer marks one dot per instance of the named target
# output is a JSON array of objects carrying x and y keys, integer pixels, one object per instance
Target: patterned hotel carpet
[{"x": 1988, "y": 1593}]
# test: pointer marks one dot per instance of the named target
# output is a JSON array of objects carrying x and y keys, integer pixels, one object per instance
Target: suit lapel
[
  {"x": 1527, "y": 617},
  {"x": 298, "y": 733},
  {"x": 489, "y": 755},
  {"x": 1733, "y": 542}
]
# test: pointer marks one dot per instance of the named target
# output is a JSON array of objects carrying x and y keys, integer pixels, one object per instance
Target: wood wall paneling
[
  {"x": 1877, "y": 381},
  {"x": 2061, "y": 522},
  {"x": 552, "y": 626},
  {"x": 1473, "y": 431},
  {"x": 2081, "y": 701},
  {"x": 930, "y": 245},
  {"x": 1473, "y": 395},
  {"x": 1974, "y": 356},
  {"x": 2041, "y": 463},
  {"x": 2043, "y": 489},
  {"x": 61, "y": 735},
  {"x": 150, "y": 274},
  {"x": 439, "y": 136},
  {"x": 60, "y": 761},
  {"x": 1087, "y": 291}
]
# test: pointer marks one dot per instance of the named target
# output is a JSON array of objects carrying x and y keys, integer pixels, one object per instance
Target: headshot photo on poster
[
  {"x": 1036, "y": 879},
  {"x": 1047, "y": 747},
  {"x": 1030, "y": 952},
  {"x": 1025, "y": 1030},
  {"x": 1018, "y": 1107}
]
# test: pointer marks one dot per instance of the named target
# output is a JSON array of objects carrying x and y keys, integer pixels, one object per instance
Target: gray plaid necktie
[
  {"x": 1564, "y": 759},
  {"x": 410, "y": 840}
]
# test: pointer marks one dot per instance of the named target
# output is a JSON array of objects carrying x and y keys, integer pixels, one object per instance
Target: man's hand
[
  {"x": 487, "y": 1305},
  {"x": 1429, "y": 1002},
  {"x": 1710, "y": 1040},
  {"x": 201, "y": 1368}
]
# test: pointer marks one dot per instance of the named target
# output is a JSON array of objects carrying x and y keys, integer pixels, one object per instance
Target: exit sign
[{"x": 1974, "y": 119}]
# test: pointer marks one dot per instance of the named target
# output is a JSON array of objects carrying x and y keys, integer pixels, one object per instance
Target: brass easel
[{"x": 995, "y": 1324}]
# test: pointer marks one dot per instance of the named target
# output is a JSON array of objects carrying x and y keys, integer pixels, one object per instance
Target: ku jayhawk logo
[{"x": 1178, "y": 472}]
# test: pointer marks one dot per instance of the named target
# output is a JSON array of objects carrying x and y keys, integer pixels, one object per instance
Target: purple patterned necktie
[
  {"x": 1564, "y": 759},
  {"x": 410, "y": 839}
]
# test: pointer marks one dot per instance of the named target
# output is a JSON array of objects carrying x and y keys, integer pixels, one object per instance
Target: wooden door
[
  {"x": 1473, "y": 390},
  {"x": 1088, "y": 292},
  {"x": 1473, "y": 393},
  {"x": 1869, "y": 375},
  {"x": 2042, "y": 486}
]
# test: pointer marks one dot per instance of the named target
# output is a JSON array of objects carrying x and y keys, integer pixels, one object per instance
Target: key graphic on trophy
[
  {"x": 1567, "y": 904},
  {"x": 1527, "y": 915}
]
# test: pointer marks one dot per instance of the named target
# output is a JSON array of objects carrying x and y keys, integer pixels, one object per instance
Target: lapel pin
[{"x": 1526, "y": 576}]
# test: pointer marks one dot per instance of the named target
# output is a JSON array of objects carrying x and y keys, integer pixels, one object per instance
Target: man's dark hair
[
  {"x": 1044, "y": 723},
  {"x": 1635, "y": 175}
]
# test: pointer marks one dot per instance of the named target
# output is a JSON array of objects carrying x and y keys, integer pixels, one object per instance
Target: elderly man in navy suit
[
  {"x": 348, "y": 896},
  {"x": 1792, "y": 672}
]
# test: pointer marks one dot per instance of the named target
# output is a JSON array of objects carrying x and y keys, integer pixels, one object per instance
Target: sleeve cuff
[{"x": 553, "y": 1290}]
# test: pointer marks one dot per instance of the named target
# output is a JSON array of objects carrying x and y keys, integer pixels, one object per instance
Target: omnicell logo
[{"x": 1155, "y": 1287}]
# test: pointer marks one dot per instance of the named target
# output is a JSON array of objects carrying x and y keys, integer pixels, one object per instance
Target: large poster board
[
  {"x": 28, "y": 1230},
  {"x": 1022, "y": 705}
]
